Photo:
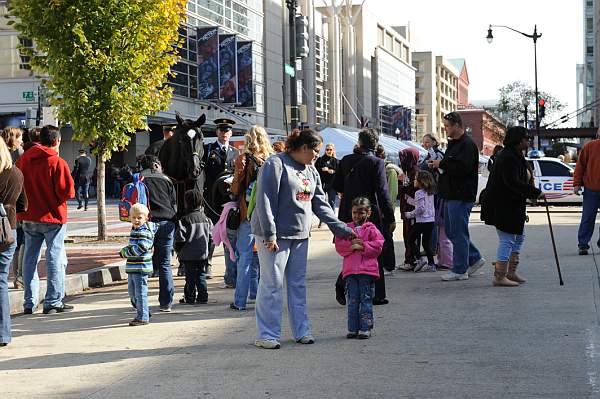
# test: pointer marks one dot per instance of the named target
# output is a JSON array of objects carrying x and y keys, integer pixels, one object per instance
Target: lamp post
[
  {"x": 533, "y": 36},
  {"x": 292, "y": 6},
  {"x": 525, "y": 105}
]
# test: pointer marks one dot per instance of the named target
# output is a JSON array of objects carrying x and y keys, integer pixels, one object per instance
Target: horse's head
[{"x": 187, "y": 127}]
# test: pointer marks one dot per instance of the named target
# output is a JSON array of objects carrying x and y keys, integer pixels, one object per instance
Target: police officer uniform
[{"x": 218, "y": 160}]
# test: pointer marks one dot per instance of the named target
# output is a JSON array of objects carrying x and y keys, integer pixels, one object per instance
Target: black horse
[{"x": 181, "y": 157}]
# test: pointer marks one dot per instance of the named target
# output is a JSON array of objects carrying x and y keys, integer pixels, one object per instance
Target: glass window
[{"x": 549, "y": 168}]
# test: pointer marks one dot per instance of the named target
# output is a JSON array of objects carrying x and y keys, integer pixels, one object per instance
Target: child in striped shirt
[{"x": 139, "y": 261}]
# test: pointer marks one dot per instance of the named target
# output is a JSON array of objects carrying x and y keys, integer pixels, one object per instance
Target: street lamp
[
  {"x": 525, "y": 105},
  {"x": 534, "y": 36}
]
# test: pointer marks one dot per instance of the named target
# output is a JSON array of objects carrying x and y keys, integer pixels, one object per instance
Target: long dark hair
[
  {"x": 298, "y": 138},
  {"x": 426, "y": 182}
]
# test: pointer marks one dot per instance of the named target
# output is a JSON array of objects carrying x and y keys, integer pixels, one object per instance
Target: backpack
[
  {"x": 6, "y": 234},
  {"x": 133, "y": 193}
]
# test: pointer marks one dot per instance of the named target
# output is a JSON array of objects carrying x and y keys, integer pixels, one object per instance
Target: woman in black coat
[
  {"x": 362, "y": 174},
  {"x": 504, "y": 204}
]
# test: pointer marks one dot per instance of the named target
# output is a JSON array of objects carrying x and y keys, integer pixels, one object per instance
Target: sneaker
[
  {"x": 232, "y": 306},
  {"x": 184, "y": 302},
  {"x": 226, "y": 286},
  {"x": 27, "y": 311},
  {"x": 267, "y": 344},
  {"x": 166, "y": 309},
  {"x": 429, "y": 267},
  {"x": 352, "y": 335},
  {"x": 444, "y": 267},
  {"x": 79, "y": 207},
  {"x": 476, "y": 266},
  {"x": 418, "y": 266},
  {"x": 136, "y": 322},
  {"x": 455, "y": 276},
  {"x": 407, "y": 267},
  {"x": 583, "y": 251},
  {"x": 364, "y": 334},
  {"x": 388, "y": 273},
  {"x": 201, "y": 301},
  {"x": 306, "y": 340},
  {"x": 58, "y": 309}
]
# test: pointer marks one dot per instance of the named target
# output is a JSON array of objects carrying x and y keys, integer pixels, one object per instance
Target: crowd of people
[{"x": 258, "y": 202}]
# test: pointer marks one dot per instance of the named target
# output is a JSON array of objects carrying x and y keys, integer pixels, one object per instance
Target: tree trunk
[{"x": 101, "y": 197}]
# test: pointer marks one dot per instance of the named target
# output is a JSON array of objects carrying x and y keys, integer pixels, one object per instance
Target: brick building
[{"x": 486, "y": 131}]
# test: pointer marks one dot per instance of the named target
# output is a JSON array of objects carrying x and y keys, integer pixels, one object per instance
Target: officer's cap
[{"x": 224, "y": 123}]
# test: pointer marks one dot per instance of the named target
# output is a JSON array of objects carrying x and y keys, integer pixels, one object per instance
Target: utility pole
[{"x": 292, "y": 6}]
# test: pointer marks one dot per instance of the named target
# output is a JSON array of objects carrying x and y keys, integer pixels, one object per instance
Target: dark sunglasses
[{"x": 452, "y": 117}]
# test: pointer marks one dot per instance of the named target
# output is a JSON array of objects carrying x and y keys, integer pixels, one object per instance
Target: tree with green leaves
[
  {"x": 510, "y": 107},
  {"x": 107, "y": 63}
]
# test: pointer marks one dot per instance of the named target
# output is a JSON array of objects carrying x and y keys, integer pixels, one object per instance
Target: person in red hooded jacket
[{"x": 48, "y": 184}]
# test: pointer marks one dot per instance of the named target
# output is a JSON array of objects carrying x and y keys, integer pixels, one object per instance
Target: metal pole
[
  {"x": 537, "y": 99},
  {"x": 525, "y": 124},
  {"x": 294, "y": 117},
  {"x": 38, "y": 113},
  {"x": 560, "y": 279}
]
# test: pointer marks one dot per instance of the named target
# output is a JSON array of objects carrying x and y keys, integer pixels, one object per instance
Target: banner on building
[
  {"x": 244, "y": 71},
  {"x": 228, "y": 68},
  {"x": 401, "y": 122},
  {"x": 208, "y": 63}
]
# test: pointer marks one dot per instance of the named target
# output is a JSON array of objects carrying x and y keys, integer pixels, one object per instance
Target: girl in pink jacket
[{"x": 360, "y": 268}]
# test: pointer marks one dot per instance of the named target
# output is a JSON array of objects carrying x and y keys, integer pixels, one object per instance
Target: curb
[{"x": 74, "y": 284}]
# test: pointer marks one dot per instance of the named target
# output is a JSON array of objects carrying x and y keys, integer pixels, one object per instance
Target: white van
[{"x": 553, "y": 177}]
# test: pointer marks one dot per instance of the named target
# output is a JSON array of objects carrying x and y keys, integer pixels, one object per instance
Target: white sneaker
[
  {"x": 388, "y": 273},
  {"x": 306, "y": 340},
  {"x": 419, "y": 265},
  {"x": 455, "y": 276},
  {"x": 428, "y": 268},
  {"x": 267, "y": 344},
  {"x": 476, "y": 266},
  {"x": 225, "y": 286}
]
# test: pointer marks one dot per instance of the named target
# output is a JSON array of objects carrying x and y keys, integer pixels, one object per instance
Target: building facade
[
  {"x": 437, "y": 85},
  {"x": 587, "y": 74},
  {"x": 485, "y": 130},
  {"x": 463, "y": 82}
]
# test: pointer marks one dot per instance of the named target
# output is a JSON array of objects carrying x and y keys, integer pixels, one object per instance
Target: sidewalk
[{"x": 434, "y": 340}]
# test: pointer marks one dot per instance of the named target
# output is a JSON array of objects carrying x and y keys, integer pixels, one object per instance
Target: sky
[{"x": 458, "y": 29}]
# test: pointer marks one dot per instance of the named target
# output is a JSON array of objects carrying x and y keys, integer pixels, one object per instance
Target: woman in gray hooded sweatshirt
[{"x": 288, "y": 193}]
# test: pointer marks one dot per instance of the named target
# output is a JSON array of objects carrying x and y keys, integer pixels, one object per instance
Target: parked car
[{"x": 552, "y": 176}]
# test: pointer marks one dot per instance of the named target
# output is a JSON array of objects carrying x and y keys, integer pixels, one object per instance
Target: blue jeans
[
  {"x": 82, "y": 192},
  {"x": 508, "y": 244},
  {"x": 231, "y": 265},
  {"x": 289, "y": 262},
  {"x": 54, "y": 236},
  {"x": 254, "y": 273},
  {"x": 456, "y": 224},
  {"x": 161, "y": 260},
  {"x": 360, "y": 290},
  {"x": 591, "y": 203},
  {"x": 331, "y": 197},
  {"x": 137, "y": 286},
  {"x": 245, "y": 244},
  {"x": 5, "y": 262}
]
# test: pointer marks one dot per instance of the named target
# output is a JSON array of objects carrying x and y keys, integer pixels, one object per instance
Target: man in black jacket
[
  {"x": 163, "y": 212},
  {"x": 458, "y": 187},
  {"x": 82, "y": 175}
]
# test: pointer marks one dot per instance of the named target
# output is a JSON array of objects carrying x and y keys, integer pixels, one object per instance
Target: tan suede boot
[
  {"x": 500, "y": 280},
  {"x": 513, "y": 264}
]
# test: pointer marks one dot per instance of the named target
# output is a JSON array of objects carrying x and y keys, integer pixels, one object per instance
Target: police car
[{"x": 553, "y": 177}]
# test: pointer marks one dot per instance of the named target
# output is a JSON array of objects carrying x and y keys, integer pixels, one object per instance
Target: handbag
[
  {"x": 233, "y": 219},
  {"x": 6, "y": 233}
]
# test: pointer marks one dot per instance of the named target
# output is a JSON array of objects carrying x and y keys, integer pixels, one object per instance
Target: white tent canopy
[{"x": 345, "y": 141}]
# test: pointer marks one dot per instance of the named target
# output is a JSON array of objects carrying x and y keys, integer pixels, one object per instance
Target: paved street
[{"x": 434, "y": 340}]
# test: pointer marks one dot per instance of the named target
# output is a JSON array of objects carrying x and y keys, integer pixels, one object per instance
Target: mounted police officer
[{"x": 219, "y": 159}]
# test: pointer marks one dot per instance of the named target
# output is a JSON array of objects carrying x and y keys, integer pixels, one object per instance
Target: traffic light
[
  {"x": 542, "y": 108},
  {"x": 302, "y": 47}
]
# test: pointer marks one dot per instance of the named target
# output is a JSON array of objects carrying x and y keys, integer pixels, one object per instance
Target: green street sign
[
  {"x": 290, "y": 70},
  {"x": 28, "y": 96}
]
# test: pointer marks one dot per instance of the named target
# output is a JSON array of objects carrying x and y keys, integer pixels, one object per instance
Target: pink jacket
[
  {"x": 220, "y": 230},
  {"x": 365, "y": 261}
]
